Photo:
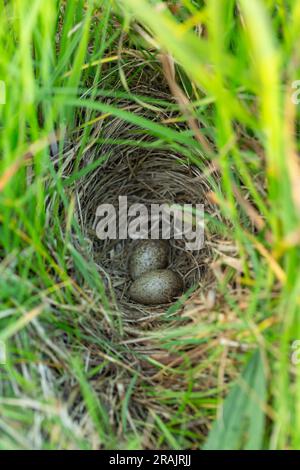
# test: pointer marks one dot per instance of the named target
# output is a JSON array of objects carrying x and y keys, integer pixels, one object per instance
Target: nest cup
[{"x": 145, "y": 174}]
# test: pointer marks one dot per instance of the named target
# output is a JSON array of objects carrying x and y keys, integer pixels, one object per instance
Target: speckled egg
[
  {"x": 156, "y": 287},
  {"x": 148, "y": 255}
]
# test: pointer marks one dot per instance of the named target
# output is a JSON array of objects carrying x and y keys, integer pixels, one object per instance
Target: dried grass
[{"x": 147, "y": 174}]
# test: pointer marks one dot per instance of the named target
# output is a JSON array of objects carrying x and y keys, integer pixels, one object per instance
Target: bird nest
[
  {"x": 135, "y": 166},
  {"x": 123, "y": 159}
]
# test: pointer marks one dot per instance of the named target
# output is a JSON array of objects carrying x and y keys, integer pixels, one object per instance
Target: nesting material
[
  {"x": 148, "y": 171},
  {"x": 146, "y": 174},
  {"x": 148, "y": 255}
]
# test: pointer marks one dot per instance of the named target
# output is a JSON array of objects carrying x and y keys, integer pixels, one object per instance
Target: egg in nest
[
  {"x": 155, "y": 287},
  {"x": 148, "y": 255}
]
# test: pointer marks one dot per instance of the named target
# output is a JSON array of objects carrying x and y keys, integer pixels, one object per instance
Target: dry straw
[
  {"x": 145, "y": 171},
  {"x": 145, "y": 174}
]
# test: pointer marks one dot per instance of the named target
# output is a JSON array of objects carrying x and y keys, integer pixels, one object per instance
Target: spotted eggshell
[
  {"x": 156, "y": 287},
  {"x": 148, "y": 255}
]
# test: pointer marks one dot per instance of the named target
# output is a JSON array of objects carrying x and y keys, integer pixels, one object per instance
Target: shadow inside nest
[{"x": 148, "y": 176}]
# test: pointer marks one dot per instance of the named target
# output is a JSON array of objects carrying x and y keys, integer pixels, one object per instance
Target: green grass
[{"x": 235, "y": 61}]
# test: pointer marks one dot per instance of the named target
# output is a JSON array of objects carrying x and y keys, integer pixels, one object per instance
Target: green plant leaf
[{"x": 243, "y": 420}]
